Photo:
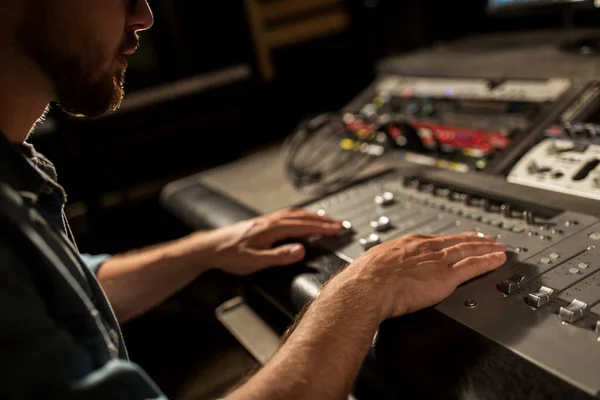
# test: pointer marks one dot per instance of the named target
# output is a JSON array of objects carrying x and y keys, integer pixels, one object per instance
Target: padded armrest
[{"x": 200, "y": 207}]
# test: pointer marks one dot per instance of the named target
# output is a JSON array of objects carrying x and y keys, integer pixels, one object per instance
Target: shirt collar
[{"x": 18, "y": 168}]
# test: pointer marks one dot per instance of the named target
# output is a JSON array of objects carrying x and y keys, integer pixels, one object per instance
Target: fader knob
[
  {"x": 573, "y": 312},
  {"x": 381, "y": 225},
  {"x": 384, "y": 199},
  {"x": 346, "y": 228},
  {"x": 511, "y": 284},
  {"x": 539, "y": 298},
  {"x": 370, "y": 242}
]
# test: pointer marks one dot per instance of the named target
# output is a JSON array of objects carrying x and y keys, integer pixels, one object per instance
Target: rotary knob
[
  {"x": 384, "y": 199},
  {"x": 346, "y": 228},
  {"x": 381, "y": 225},
  {"x": 486, "y": 205},
  {"x": 529, "y": 217},
  {"x": 506, "y": 210},
  {"x": 369, "y": 242}
]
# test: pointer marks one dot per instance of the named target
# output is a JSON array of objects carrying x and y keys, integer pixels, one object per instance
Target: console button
[
  {"x": 539, "y": 298},
  {"x": 583, "y": 265},
  {"x": 595, "y": 236},
  {"x": 573, "y": 312}
]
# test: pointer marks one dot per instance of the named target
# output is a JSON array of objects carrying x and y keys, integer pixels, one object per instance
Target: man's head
[{"x": 79, "y": 46}]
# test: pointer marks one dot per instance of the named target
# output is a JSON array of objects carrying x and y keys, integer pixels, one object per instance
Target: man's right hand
[
  {"x": 322, "y": 356},
  {"x": 417, "y": 271}
]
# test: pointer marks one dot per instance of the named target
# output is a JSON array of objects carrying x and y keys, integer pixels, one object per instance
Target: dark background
[{"x": 114, "y": 167}]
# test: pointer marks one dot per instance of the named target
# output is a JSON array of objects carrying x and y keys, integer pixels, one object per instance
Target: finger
[
  {"x": 286, "y": 229},
  {"x": 472, "y": 267},
  {"x": 298, "y": 213},
  {"x": 459, "y": 252},
  {"x": 446, "y": 241},
  {"x": 306, "y": 216},
  {"x": 282, "y": 255}
]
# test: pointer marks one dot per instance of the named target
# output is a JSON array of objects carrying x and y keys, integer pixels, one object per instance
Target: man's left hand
[{"x": 247, "y": 247}]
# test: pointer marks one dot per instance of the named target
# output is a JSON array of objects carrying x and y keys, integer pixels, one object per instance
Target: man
[{"x": 59, "y": 337}]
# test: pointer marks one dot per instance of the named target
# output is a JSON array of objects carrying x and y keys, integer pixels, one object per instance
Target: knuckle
[
  {"x": 413, "y": 237},
  {"x": 439, "y": 256},
  {"x": 272, "y": 224}
]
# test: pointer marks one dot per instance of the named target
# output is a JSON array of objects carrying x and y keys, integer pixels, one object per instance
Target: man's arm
[
  {"x": 139, "y": 281},
  {"x": 322, "y": 357},
  {"x": 40, "y": 358}
]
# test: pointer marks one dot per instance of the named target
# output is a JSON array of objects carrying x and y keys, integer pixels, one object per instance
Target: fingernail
[
  {"x": 499, "y": 255},
  {"x": 296, "y": 250}
]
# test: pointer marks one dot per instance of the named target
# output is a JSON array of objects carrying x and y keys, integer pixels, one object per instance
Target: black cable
[{"x": 313, "y": 157}]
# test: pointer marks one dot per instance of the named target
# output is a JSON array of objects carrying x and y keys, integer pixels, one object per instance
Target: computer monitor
[
  {"x": 589, "y": 45},
  {"x": 499, "y": 6}
]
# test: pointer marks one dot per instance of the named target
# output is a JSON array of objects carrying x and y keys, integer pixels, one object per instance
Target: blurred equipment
[
  {"x": 459, "y": 124},
  {"x": 278, "y": 24},
  {"x": 567, "y": 159},
  {"x": 328, "y": 151}
]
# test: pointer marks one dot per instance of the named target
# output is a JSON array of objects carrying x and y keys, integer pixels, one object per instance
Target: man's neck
[{"x": 24, "y": 96}]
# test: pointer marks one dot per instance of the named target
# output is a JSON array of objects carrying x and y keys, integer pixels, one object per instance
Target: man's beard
[
  {"x": 73, "y": 68},
  {"x": 87, "y": 98}
]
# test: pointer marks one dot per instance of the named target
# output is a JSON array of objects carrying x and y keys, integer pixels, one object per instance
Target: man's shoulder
[{"x": 40, "y": 160}]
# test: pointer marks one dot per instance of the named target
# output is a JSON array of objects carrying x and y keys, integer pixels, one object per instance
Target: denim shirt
[{"x": 59, "y": 338}]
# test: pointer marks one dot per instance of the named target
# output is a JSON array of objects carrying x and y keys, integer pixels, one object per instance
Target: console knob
[
  {"x": 381, "y": 225},
  {"x": 539, "y": 298},
  {"x": 511, "y": 284},
  {"x": 468, "y": 199},
  {"x": 347, "y": 228},
  {"x": 384, "y": 199},
  {"x": 486, "y": 205},
  {"x": 430, "y": 188},
  {"x": 573, "y": 312},
  {"x": 370, "y": 242},
  {"x": 529, "y": 217},
  {"x": 506, "y": 210},
  {"x": 569, "y": 129}
]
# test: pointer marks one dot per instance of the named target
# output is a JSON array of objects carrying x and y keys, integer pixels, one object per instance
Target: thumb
[{"x": 282, "y": 255}]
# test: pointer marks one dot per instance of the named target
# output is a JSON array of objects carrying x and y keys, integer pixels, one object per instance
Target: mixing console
[{"x": 544, "y": 303}]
